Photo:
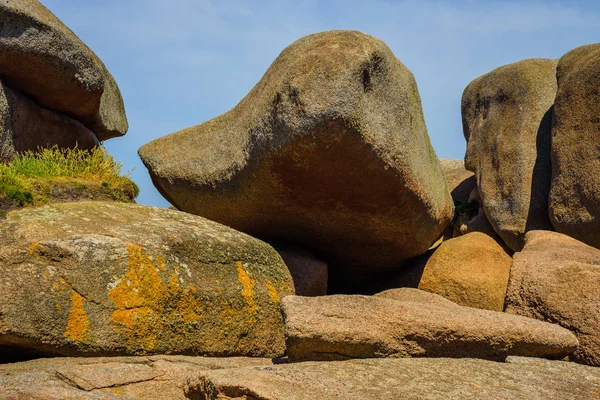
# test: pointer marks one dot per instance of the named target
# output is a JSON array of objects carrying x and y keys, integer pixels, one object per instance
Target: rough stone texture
[
  {"x": 94, "y": 278},
  {"x": 341, "y": 327},
  {"x": 329, "y": 150},
  {"x": 471, "y": 270},
  {"x": 556, "y": 278},
  {"x": 575, "y": 193},
  {"x": 460, "y": 181},
  {"x": 308, "y": 273},
  {"x": 415, "y": 379},
  {"x": 415, "y": 296},
  {"x": 41, "y": 57},
  {"x": 507, "y": 119},
  {"x": 28, "y": 126},
  {"x": 153, "y": 377}
]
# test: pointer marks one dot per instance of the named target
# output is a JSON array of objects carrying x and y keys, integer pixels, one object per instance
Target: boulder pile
[{"x": 317, "y": 247}]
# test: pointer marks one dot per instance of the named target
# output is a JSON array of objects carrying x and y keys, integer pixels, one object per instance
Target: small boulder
[
  {"x": 557, "y": 279},
  {"x": 308, "y": 273},
  {"x": 341, "y": 327},
  {"x": 575, "y": 193},
  {"x": 44, "y": 59},
  {"x": 329, "y": 150},
  {"x": 507, "y": 115},
  {"x": 93, "y": 278},
  {"x": 471, "y": 270}
]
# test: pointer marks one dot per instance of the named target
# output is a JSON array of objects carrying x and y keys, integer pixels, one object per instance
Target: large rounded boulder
[
  {"x": 41, "y": 57},
  {"x": 95, "y": 278},
  {"x": 575, "y": 193},
  {"x": 507, "y": 116},
  {"x": 329, "y": 150}
]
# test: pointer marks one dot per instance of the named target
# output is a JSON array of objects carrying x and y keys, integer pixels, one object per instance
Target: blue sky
[{"x": 181, "y": 62}]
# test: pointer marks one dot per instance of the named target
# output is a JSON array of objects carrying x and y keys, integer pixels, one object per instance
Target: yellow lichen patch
[
  {"x": 148, "y": 310},
  {"x": 32, "y": 247},
  {"x": 272, "y": 292},
  {"x": 247, "y": 292},
  {"x": 78, "y": 327}
]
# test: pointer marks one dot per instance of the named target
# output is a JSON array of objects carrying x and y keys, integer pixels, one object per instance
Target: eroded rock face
[
  {"x": 555, "y": 278},
  {"x": 153, "y": 377},
  {"x": 95, "y": 278},
  {"x": 329, "y": 150},
  {"x": 575, "y": 194},
  {"x": 43, "y": 58},
  {"x": 410, "y": 378},
  {"x": 471, "y": 270},
  {"x": 507, "y": 119},
  {"x": 341, "y": 327},
  {"x": 28, "y": 126}
]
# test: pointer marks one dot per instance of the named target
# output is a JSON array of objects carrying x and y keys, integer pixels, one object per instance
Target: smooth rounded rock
[
  {"x": 44, "y": 59},
  {"x": 329, "y": 150},
  {"x": 507, "y": 115},
  {"x": 575, "y": 194}
]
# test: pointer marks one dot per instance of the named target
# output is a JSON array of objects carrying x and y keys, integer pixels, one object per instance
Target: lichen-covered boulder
[
  {"x": 329, "y": 150},
  {"x": 471, "y": 270},
  {"x": 557, "y": 279},
  {"x": 507, "y": 115},
  {"x": 575, "y": 194},
  {"x": 95, "y": 278},
  {"x": 44, "y": 59}
]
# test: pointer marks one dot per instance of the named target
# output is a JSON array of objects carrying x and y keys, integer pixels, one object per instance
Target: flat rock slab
[
  {"x": 341, "y": 327},
  {"x": 94, "y": 278},
  {"x": 557, "y": 278},
  {"x": 152, "y": 377},
  {"x": 416, "y": 379},
  {"x": 329, "y": 151}
]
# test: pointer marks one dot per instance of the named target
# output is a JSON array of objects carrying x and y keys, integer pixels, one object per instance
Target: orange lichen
[
  {"x": 247, "y": 292},
  {"x": 78, "y": 327},
  {"x": 146, "y": 308},
  {"x": 33, "y": 246},
  {"x": 272, "y": 292}
]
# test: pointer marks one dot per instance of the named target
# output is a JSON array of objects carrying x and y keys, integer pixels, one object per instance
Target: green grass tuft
[{"x": 32, "y": 177}]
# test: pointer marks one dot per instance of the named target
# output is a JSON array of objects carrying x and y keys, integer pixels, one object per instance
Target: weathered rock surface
[
  {"x": 341, "y": 327},
  {"x": 557, "y": 278},
  {"x": 94, "y": 278},
  {"x": 507, "y": 119},
  {"x": 26, "y": 126},
  {"x": 471, "y": 270},
  {"x": 329, "y": 150},
  {"x": 411, "y": 378},
  {"x": 460, "y": 181},
  {"x": 415, "y": 296},
  {"x": 575, "y": 193},
  {"x": 472, "y": 218},
  {"x": 309, "y": 274},
  {"x": 43, "y": 58},
  {"x": 152, "y": 377}
]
